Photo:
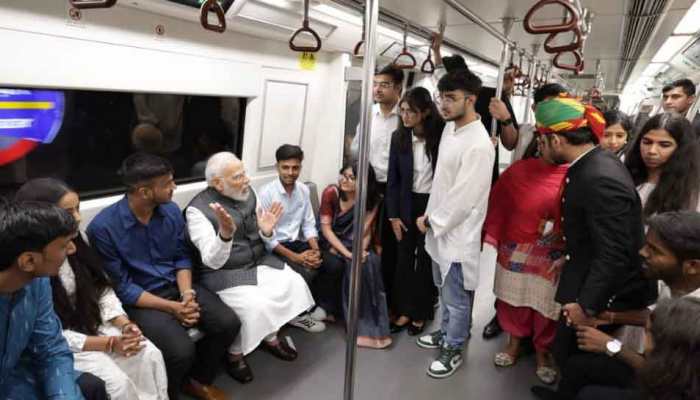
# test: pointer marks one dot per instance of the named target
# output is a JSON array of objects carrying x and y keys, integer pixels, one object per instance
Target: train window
[{"x": 82, "y": 136}]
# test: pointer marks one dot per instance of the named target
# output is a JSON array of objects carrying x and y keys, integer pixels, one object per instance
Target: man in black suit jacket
[{"x": 600, "y": 220}]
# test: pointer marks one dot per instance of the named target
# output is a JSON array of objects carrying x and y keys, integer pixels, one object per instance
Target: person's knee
[
  {"x": 119, "y": 386},
  {"x": 180, "y": 356},
  {"x": 92, "y": 387}
]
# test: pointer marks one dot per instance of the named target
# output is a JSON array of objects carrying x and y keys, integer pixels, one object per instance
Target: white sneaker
[
  {"x": 319, "y": 314},
  {"x": 306, "y": 323}
]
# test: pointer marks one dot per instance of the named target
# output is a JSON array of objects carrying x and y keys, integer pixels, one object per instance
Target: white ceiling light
[
  {"x": 670, "y": 47},
  {"x": 689, "y": 24}
]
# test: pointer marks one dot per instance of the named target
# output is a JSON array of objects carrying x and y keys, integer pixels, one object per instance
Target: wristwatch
[
  {"x": 507, "y": 122},
  {"x": 613, "y": 347},
  {"x": 426, "y": 222}
]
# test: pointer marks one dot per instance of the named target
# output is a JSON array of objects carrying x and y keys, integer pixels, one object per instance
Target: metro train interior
[{"x": 240, "y": 76}]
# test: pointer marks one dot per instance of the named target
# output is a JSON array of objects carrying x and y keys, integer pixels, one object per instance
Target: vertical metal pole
[
  {"x": 528, "y": 101},
  {"x": 499, "y": 83},
  {"x": 371, "y": 22}
]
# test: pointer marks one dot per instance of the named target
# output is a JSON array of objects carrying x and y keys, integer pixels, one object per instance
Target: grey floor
[{"x": 397, "y": 373}]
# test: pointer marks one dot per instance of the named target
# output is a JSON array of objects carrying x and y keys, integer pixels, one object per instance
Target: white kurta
[
  {"x": 139, "y": 377},
  {"x": 263, "y": 309},
  {"x": 459, "y": 198}
]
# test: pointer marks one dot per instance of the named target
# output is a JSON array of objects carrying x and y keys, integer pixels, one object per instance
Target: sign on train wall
[{"x": 27, "y": 118}]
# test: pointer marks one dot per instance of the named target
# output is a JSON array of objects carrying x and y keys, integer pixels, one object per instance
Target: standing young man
[
  {"x": 35, "y": 361},
  {"x": 388, "y": 85},
  {"x": 679, "y": 96},
  {"x": 455, "y": 215},
  {"x": 601, "y": 219}
]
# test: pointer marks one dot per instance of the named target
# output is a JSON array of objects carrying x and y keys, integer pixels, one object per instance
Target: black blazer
[
  {"x": 399, "y": 187},
  {"x": 603, "y": 230}
]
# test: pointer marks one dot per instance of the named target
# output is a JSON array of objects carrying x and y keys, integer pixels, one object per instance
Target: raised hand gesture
[
  {"x": 267, "y": 219},
  {"x": 226, "y": 225}
]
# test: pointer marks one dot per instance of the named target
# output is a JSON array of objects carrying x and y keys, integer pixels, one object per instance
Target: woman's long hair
[
  {"x": 419, "y": 100},
  {"x": 82, "y": 315},
  {"x": 372, "y": 190},
  {"x": 672, "y": 368},
  {"x": 679, "y": 182}
]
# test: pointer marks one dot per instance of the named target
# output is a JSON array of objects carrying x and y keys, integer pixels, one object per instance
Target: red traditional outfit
[{"x": 520, "y": 224}]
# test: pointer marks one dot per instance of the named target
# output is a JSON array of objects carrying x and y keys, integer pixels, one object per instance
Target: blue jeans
[{"x": 455, "y": 305}]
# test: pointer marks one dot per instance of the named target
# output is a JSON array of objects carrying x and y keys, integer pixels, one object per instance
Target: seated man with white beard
[{"x": 227, "y": 228}]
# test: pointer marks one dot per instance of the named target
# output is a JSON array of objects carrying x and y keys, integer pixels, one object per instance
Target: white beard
[{"x": 237, "y": 195}]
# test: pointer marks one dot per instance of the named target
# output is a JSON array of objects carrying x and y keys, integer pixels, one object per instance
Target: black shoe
[
  {"x": 239, "y": 370},
  {"x": 414, "y": 330},
  {"x": 281, "y": 350},
  {"x": 492, "y": 329},
  {"x": 545, "y": 393},
  {"x": 393, "y": 328}
]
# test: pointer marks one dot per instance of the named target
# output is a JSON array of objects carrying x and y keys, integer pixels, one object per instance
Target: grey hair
[{"x": 217, "y": 163}]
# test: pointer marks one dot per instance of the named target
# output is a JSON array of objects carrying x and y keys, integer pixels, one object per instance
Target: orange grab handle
[
  {"x": 86, "y": 4},
  {"x": 575, "y": 45},
  {"x": 405, "y": 53},
  {"x": 568, "y": 25},
  {"x": 576, "y": 68},
  {"x": 212, "y": 6}
]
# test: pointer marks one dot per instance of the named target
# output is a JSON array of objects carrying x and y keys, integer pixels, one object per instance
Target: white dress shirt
[
  {"x": 297, "y": 217},
  {"x": 380, "y": 140},
  {"x": 457, "y": 206},
  {"x": 422, "y": 167}
]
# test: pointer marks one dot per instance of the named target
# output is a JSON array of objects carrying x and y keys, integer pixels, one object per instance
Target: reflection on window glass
[{"x": 83, "y": 136}]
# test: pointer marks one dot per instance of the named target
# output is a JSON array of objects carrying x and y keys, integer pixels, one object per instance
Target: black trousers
[
  {"x": 413, "y": 284},
  {"x": 299, "y": 246},
  {"x": 182, "y": 356},
  {"x": 92, "y": 387},
  {"x": 328, "y": 286},
  {"x": 586, "y": 369},
  {"x": 607, "y": 392},
  {"x": 389, "y": 247},
  {"x": 565, "y": 344}
]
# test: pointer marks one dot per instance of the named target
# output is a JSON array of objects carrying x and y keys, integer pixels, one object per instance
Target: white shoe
[
  {"x": 306, "y": 323},
  {"x": 319, "y": 314}
]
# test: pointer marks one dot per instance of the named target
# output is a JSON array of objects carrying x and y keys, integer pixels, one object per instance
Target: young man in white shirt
[
  {"x": 454, "y": 216},
  {"x": 295, "y": 238},
  {"x": 387, "y": 89}
]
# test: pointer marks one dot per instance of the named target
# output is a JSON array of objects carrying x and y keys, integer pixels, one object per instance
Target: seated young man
[
  {"x": 672, "y": 255},
  {"x": 296, "y": 237},
  {"x": 142, "y": 241},
  {"x": 35, "y": 361},
  {"x": 228, "y": 229}
]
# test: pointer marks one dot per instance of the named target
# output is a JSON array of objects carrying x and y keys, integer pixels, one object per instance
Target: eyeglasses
[
  {"x": 383, "y": 85},
  {"x": 440, "y": 100},
  {"x": 348, "y": 178}
]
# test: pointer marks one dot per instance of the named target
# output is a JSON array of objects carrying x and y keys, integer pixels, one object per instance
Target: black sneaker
[
  {"x": 446, "y": 364},
  {"x": 492, "y": 329},
  {"x": 432, "y": 340},
  {"x": 239, "y": 370}
]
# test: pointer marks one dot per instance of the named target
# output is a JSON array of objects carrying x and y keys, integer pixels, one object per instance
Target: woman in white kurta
[{"x": 103, "y": 339}]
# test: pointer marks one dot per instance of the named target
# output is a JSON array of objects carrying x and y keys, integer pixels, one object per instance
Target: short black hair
[
  {"x": 30, "y": 226},
  {"x": 687, "y": 85},
  {"x": 396, "y": 74},
  {"x": 548, "y": 90},
  {"x": 613, "y": 117},
  {"x": 455, "y": 63},
  {"x": 680, "y": 231},
  {"x": 578, "y": 136},
  {"x": 141, "y": 167},
  {"x": 288, "y": 152},
  {"x": 463, "y": 80}
]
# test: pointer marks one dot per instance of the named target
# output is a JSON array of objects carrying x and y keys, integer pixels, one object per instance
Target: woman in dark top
[
  {"x": 337, "y": 212},
  {"x": 412, "y": 158}
]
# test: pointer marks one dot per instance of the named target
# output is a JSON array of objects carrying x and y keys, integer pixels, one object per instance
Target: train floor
[{"x": 393, "y": 374}]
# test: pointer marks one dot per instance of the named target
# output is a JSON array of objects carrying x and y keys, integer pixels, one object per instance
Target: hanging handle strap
[
  {"x": 566, "y": 25},
  {"x": 576, "y": 68},
  {"x": 428, "y": 66},
  {"x": 305, "y": 28},
  {"x": 405, "y": 53},
  {"x": 575, "y": 45},
  {"x": 208, "y": 7},
  {"x": 361, "y": 43},
  {"x": 86, "y": 4}
]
